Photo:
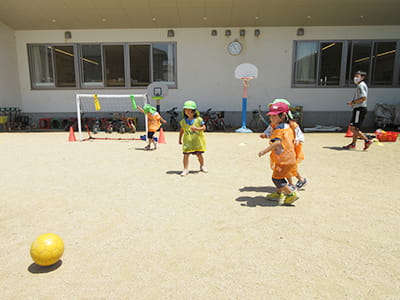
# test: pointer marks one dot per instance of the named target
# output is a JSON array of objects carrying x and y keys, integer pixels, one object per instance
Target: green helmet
[
  {"x": 189, "y": 104},
  {"x": 149, "y": 109}
]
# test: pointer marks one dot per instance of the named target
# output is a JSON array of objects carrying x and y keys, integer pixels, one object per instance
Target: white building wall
[
  {"x": 9, "y": 88},
  {"x": 205, "y": 69}
]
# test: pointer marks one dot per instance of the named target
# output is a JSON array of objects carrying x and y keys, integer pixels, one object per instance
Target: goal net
[{"x": 107, "y": 117}]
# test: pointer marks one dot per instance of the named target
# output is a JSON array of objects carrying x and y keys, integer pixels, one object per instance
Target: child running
[
  {"x": 283, "y": 156},
  {"x": 192, "y": 132},
  {"x": 298, "y": 144},
  {"x": 154, "y": 120}
]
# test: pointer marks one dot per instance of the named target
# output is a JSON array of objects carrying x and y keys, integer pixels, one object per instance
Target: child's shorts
[
  {"x": 150, "y": 134},
  {"x": 279, "y": 183},
  {"x": 194, "y": 152}
]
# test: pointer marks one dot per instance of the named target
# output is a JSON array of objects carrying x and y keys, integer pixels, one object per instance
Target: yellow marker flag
[{"x": 97, "y": 105}]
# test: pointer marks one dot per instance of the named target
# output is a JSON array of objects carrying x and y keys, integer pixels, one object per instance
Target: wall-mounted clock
[{"x": 235, "y": 48}]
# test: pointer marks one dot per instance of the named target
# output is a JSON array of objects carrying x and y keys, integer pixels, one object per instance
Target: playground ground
[{"x": 134, "y": 229}]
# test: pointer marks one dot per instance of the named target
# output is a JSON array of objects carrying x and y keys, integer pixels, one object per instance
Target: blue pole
[
  {"x": 244, "y": 129},
  {"x": 244, "y": 112}
]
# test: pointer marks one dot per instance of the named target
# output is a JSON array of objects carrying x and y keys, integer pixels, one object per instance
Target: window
[
  {"x": 41, "y": 66},
  {"x": 101, "y": 65},
  {"x": 164, "y": 63},
  {"x": 92, "y": 67},
  {"x": 359, "y": 58},
  {"x": 139, "y": 59},
  {"x": 306, "y": 63},
  {"x": 114, "y": 63},
  {"x": 64, "y": 66},
  {"x": 330, "y": 63},
  {"x": 383, "y": 64},
  {"x": 333, "y": 63}
]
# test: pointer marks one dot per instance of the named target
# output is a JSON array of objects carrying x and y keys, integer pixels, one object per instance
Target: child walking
[
  {"x": 192, "y": 133},
  {"x": 154, "y": 120},
  {"x": 283, "y": 156},
  {"x": 298, "y": 144}
]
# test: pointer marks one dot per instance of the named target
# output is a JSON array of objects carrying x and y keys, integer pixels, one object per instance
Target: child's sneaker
[
  {"x": 185, "y": 172},
  {"x": 203, "y": 169},
  {"x": 293, "y": 187},
  {"x": 291, "y": 198},
  {"x": 301, "y": 183},
  {"x": 276, "y": 196},
  {"x": 147, "y": 148},
  {"x": 367, "y": 144},
  {"x": 349, "y": 146}
]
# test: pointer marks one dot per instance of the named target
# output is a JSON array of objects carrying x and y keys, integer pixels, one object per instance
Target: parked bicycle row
[{"x": 214, "y": 120}]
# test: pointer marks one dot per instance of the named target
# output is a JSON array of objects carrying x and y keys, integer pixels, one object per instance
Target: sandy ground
[{"x": 134, "y": 229}]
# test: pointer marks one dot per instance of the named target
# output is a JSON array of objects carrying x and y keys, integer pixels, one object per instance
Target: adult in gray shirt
[{"x": 359, "y": 104}]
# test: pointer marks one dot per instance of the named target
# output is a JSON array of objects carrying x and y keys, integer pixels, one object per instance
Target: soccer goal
[{"x": 111, "y": 115}]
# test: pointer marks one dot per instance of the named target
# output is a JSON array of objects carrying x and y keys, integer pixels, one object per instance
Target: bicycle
[
  {"x": 258, "y": 122},
  {"x": 214, "y": 120},
  {"x": 173, "y": 122}
]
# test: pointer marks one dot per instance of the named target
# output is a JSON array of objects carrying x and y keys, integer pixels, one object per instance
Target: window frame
[
  {"x": 395, "y": 64},
  {"x": 82, "y": 84},
  {"x": 294, "y": 57},
  {"x": 31, "y": 63},
  {"x": 342, "y": 63},
  {"x": 103, "y": 61},
  {"x": 79, "y": 84},
  {"x": 343, "y": 72},
  {"x": 77, "y": 77},
  {"x": 53, "y": 86},
  {"x": 129, "y": 62},
  {"x": 172, "y": 86}
]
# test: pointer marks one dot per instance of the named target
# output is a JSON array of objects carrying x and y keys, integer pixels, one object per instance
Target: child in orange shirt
[
  {"x": 283, "y": 157},
  {"x": 154, "y": 120},
  {"x": 298, "y": 144}
]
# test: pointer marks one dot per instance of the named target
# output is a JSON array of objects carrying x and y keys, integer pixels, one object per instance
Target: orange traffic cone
[
  {"x": 161, "y": 139},
  {"x": 349, "y": 133},
  {"x": 71, "y": 137}
]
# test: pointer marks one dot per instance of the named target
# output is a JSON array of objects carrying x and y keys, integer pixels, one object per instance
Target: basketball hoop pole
[
  {"x": 158, "y": 106},
  {"x": 244, "y": 128}
]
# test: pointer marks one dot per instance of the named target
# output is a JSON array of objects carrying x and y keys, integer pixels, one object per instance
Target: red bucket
[{"x": 386, "y": 136}]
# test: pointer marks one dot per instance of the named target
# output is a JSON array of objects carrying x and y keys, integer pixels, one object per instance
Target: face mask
[{"x": 356, "y": 80}]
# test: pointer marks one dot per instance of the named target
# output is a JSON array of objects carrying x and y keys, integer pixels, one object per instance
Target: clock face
[{"x": 235, "y": 48}]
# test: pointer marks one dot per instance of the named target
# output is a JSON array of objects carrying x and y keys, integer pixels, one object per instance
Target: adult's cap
[
  {"x": 278, "y": 108},
  {"x": 189, "y": 104}
]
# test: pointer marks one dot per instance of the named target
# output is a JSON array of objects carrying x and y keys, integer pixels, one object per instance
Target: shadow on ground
[
  {"x": 179, "y": 172},
  {"x": 258, "y": 189},
  {"x": 256, "y": 201},
  {"x": 142, "y": 149},
  {"x": 36, "y": 269},
  {"x": 342, "y": 149}
]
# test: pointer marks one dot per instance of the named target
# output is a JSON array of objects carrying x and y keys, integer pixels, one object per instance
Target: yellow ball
[{"x": 47, "y": 249}]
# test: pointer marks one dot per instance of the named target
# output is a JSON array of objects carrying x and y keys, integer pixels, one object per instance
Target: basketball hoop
[{"x": 245, "y": 72}]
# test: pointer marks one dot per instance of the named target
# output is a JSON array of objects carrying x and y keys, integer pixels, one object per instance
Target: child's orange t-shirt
[
  {"x": 154, "y": 121},
  {"x": 283, "y": 159},
  {"x": 297, "y": 148}
]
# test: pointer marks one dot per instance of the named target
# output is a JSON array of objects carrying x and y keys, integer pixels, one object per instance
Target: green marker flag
[{"x": 134, "y": 106}]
